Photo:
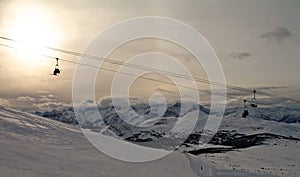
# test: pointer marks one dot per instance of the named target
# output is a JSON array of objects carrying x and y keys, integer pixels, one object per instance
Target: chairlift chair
[
  {"x": 254, "y": 102},
  {"x": 246, "y": 112},
  {"x": 56, "y": 71}
]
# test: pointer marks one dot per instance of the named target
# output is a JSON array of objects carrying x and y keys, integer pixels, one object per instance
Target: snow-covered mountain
[
  {"x": 276, "y": 120},
  {"x": 35, "y": 146},
  {"x": 234, "y": 133},
  {"x": 66, "y": 115},
  {"x": 274, "y": 113}
]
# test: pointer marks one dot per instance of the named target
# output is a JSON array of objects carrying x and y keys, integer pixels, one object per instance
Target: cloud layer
[
  {"x": 279, "y": 34},
  {"x": 42, "y": 102},
  {"x": 240, "y": 55}
]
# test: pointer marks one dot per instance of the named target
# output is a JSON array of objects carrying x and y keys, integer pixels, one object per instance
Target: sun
[{"x": 34, "y": 29}]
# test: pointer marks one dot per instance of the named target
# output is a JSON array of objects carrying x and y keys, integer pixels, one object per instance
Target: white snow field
[
  {"x": 34, "y": 146},
  {"x": 277, "y": 157},
  {"x": 281, "y": 158}
]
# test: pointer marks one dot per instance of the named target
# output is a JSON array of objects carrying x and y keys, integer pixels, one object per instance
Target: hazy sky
[{"x": 257, "y": 42}]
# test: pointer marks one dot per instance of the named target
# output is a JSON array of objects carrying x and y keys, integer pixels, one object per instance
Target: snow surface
[
  {"x": 279, "y": 158},
  {"x": 34, "y": 146},
  {"x": 255, "y": 124}
]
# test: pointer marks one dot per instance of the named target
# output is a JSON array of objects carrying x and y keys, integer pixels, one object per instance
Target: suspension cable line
[{"x": 117, "y": 62}]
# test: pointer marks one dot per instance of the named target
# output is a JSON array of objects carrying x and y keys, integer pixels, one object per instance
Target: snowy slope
[
  {"x": 279, "y": 158},
  {"x": 272, "y": 135},
  {"x": 35, "y": 146},
  {"x": 261, "y": 120},
  {"x": 234, "y": 130},
  {"x": 255, "y": 124}
]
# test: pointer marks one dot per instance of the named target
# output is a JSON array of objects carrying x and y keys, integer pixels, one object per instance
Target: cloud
[
  {"x": 279, "y": 34},
  {"x": 44, "y": 99},
  {"x": 42, "y": 102},
  {"x": 240, "y": 55},
  {"x": 4, "y": 102},
  {"x": 48, "y": 106},
  {"x": 42, "y": 92},
  {"x": 25, "y": 99},
  {"x": 163, "y": 90}
]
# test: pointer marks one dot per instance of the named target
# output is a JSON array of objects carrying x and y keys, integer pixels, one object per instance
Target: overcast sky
[{"x": 257, "y": 42}]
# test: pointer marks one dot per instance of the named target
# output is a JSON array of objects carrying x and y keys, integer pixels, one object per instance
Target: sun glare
[{"x": 32, "y": 27}]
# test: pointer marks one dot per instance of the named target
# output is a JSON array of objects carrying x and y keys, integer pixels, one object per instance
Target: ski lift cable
[
  {"x": 130, "y": 74},
  {"x": 118, "y": 62},
  {"x": 113, "y": 61},
  {"x": 111, "y": 70},
  {"x": 151, "y": 69}
]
